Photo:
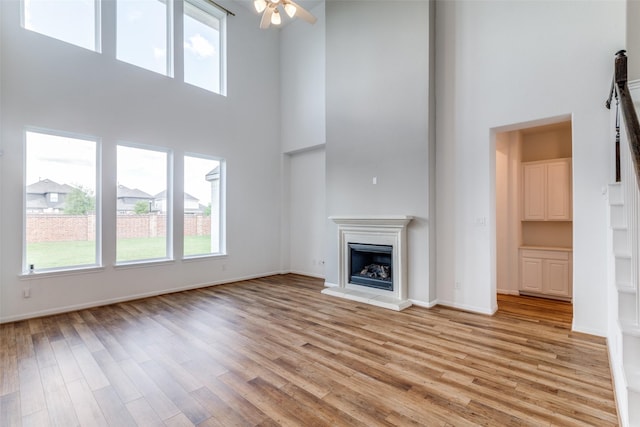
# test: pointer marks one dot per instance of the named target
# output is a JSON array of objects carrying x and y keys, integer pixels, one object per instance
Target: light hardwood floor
[{"x": 275, "y": 351}]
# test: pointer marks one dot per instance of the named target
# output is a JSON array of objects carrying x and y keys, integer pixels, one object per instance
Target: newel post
[{"x": 628, "y": 110}]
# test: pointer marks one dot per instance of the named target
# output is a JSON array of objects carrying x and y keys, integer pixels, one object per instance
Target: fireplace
[
  {"x": 372, "y": 260},
  {"x": 371, "y": 265}
]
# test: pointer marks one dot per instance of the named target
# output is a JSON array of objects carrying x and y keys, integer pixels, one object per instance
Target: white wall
[
  {"x": 508, "y": 230},
  {"x": 633, "y": 38},
  {"x": 302, "y": 74},
  {"x": 502, "y": 63},
  {"x": 302, "y": 62},
  {"x": 51, "y": 84},
  {"x": 307, "y": 212},
  {"x": 377, "y": 86}
]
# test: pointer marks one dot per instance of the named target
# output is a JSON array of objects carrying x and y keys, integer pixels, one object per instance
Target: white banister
[{"x": 632, "y": 202}]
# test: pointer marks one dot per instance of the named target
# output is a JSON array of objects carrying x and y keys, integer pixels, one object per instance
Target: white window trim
[
  {"x": 97, "y": 26},
  {"x": 169, "y": 257},
  {"x": 98, "y": 202},
  {"x": 222, "y": 220},
  {"x": 221, "y": 15}
]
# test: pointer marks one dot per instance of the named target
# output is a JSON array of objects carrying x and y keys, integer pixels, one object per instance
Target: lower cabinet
[{"x": 546, "y": 272}]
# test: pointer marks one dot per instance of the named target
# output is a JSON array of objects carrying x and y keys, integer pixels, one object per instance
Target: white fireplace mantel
[
  {"x": 378, "y": 230},
  {"x": 375, "y": 221}
]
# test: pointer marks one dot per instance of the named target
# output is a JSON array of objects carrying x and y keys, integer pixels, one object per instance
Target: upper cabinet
[{"x": 546, "y": 194}]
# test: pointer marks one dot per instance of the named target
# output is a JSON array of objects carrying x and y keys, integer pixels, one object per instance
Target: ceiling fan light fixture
[
  {"x": 271, "y": 12},
  {"x": 260, "y": 5},
  {"x": 290, "y": 9},
  {"x": 275, "y": 18}
]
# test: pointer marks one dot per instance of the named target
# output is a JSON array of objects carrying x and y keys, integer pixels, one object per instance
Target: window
[
  {"x": 143, "y": 204},
  {"x": 143, "y": 32},
  {"x": 61, "y": 227},
  {"x": 72, "y": 21},
  {"x": 203, "y": 192},
  {"x": 203, "y": 45}
]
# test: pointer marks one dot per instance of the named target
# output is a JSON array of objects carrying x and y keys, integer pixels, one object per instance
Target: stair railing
[
  {"x": 628, "y": 167},
  {"x": 620, "y": 89}
]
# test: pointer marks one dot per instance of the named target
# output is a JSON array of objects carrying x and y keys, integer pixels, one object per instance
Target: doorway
[{"x": 534, "y": 218}]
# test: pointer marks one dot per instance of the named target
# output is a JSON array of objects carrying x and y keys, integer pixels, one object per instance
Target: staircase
[
  {"x": 624, "y": 263},
  {"x": 624, "y": 341}
]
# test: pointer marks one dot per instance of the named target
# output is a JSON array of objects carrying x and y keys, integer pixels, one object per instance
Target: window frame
[
  {"x": 173, "y": 41},
  {"x": 222, "y": 247},
  {"x": 97, "y": 26},
  {"x": 221, "y": 15},
  {"x": 98, "y": 264},
  {"x": 169, "y": 256},
  {"x": 169, "y": 39}
]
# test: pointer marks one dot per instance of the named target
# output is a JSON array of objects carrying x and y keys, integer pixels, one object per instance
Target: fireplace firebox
[{"x": 371, "y": 265}]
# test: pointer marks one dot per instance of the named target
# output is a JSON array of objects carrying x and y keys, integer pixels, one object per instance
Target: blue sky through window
[
  {"x": 201, "y": 49},
  {"x": 142, "y": 34},
  {"x": 72, "y": 21}
]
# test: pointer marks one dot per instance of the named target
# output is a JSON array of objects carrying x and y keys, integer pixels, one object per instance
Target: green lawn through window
[{"x": 78, "y": 253}]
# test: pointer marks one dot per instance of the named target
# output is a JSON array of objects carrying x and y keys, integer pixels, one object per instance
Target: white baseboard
[
  {"x": 471, "y": 308},
  {"x": 588, "y": 331},
  {"x": 306, "y": 273},
  {"x": 424, "y": 304},
  {"x": 75, "y": 307}
]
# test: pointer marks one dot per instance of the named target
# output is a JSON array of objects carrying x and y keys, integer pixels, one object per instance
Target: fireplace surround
[{"x": 388, "y": 236}]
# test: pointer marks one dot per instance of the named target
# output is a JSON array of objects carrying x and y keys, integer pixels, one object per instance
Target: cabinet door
[
  {"x": 556, "y": 277},
  {"x": 558, "y": 191},
  {"x": 531, "y": 274},
  {"x": 533, "y": 206}
]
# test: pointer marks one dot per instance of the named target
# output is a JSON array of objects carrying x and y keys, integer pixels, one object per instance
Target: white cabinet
[
  {"x": 546, "y": 192},
  {"x": 546, "y": 272}
]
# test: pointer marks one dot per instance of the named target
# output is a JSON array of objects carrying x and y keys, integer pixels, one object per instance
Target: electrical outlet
[
  {"x": 224, "y": 267},
  {"x": 458, "y": 286},
  {"x": 26, "y": 293}
]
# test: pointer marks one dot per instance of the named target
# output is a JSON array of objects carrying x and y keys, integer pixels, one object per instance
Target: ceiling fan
[{"x": 271, "y": 13}]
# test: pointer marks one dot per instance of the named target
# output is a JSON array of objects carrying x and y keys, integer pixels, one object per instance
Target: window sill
[
  {"x": 58, "y": 273},
  {"x": 203, "y": 257},
  {"x": 143, "y": 264}
]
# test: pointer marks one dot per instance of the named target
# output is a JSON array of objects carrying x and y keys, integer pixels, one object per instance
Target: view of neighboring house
[
  {"x": 191, "y": 204},
  {"x": 128, "y": 198},
  {"x": 47, "y": 196}
]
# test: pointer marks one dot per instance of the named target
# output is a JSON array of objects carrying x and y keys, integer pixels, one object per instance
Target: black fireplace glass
[{"x": 371, "y": 265}]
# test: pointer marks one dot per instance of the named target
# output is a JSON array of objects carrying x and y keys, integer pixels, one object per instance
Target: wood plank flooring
[
  {"x": 274, "y": 351},
  {"x": 536, "y": 309}
]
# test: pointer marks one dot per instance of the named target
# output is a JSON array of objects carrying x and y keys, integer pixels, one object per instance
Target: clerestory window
[
  {"x": 144, "y": 29},
  {"x": 72, "y": 21},
  {"x": 204, "y": 45}
]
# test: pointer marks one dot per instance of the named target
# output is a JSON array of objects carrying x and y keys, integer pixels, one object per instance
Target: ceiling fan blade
[
  {"x": 303, "y": 13},
  {"x": 265, "y": 22}
]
